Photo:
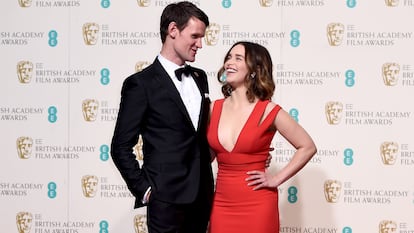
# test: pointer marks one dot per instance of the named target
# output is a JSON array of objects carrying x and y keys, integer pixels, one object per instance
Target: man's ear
[{"x": 173, "y": 30}]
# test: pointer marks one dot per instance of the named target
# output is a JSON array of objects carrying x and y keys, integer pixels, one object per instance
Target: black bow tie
[{"x": 183, "y": 70}]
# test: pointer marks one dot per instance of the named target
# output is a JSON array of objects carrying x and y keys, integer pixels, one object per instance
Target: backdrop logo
[
  {"x": 24, "y": 71},
  {"x": 292, "y": 3},
  {"x": 284, "y": 152},
  {"x": 89, "y": 185},
  {"x": 25, "y": 3},
  {"x": 336, "y": 112},
  {"x": 373, "y": 196},
  {"x": 264, "y": 38},
  {"x": 36, "y": 148},
  {"x": 27, "y": 222},
  {"x": 332, "y": 190},
  {"x": 391, "y": 3},
  {"x": 19, "y": 113},
  {"x": 24, "y": 147},
  {"x": 144, "y": 3},
  {"x": 140, "y": 65},
  {"x": 90, "y": 33},
  {"x": 94, "y": 34},
  {"x": 266, "y": 3},
  {"x": 19, "y": 189},
  {"x": 389, "y": 151},
  {"x": 304, "y": 77},
  {"x": 390, "y": 72},
  {"x": 19, "y": 38},
  {"x": 24, "y": 222},
  {"x": 140, "y": 223},
  {"x": 212, "y": 34},
  {"x": 392, "y": 153},
  {"x": 394, "y": 73},
  {"x": 333, "y": 112},
  {"x": 90, "y": 109},
  {"x": 348, "y": 35},
  {"x": 46, "y": 3},
  {"x": 112, "y": 190},
  {"x": 387, "y": 226},
  {"x": 335, "y": 33}
]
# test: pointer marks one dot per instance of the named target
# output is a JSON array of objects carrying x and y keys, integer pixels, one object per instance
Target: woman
[{"x": 240, "y": 132}]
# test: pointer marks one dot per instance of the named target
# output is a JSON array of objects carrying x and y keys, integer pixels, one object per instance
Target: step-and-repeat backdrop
[{"x": 344, "y": 70}]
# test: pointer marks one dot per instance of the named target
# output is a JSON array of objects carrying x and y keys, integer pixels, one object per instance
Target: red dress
[{"x": 236, "y": 207}]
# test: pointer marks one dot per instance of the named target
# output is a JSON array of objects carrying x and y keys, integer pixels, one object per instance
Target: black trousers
[{"x": 165, "y": 217}]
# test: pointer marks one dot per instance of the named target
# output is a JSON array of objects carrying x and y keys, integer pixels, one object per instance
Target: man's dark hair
[{"x": 180, "y": 13}]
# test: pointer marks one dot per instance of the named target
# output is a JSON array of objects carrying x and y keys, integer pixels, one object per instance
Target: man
[{"x": 175, "y": 181}]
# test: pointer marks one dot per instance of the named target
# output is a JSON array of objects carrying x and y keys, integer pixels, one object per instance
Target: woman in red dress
[{"x": 241, "y": 129}]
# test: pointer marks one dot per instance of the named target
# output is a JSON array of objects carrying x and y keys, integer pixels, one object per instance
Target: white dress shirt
[{"x": 187, "y": 87}]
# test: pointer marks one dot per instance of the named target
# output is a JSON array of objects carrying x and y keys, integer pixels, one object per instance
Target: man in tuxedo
[{"x": 170, "y": 112}]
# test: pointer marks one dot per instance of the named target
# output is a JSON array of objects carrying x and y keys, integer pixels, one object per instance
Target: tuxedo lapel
[
  {"x": 167, "y": 84},
  {"x": 201, "y": 82}
]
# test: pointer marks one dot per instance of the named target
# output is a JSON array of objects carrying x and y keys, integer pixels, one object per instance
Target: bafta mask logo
[
  {"x": 139, "y": 66},
  {"x": 25, "y": 3},
  {"x": 333, "y": 112},
  {"x": 90, "y": 109},
  {"x": 332, "y": 189},
  {"x": 387, "y": 226},
  {"x": 212, "y": 34},
  {"x": 144, "y": 3},
  {"x": 390, "y": 72},
  {"x": 266, "y": 3},
  {"x": 24, "y": 147},
  {"x": 24, "y": 71},
  {"x": 140, "y": 223},
  {"x": 90, "y": 33},
  {"x": 335, "y": 33},
  {"x": 138, "y": 149},
  {"x": 389, "y": 152},
  {"x": 89, "y": 185},
  {"x": 24, "y": 222},
  {"x": 391, "y": 3}
]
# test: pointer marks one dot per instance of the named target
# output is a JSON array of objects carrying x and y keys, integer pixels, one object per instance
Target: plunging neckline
[{"x": 241, "y": 131}]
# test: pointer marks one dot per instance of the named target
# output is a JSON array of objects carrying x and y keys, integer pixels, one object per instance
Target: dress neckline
[{"x": 242, "y": 129}]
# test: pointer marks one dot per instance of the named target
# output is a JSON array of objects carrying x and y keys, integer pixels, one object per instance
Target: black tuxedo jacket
[{"x": 177, "y": 162}]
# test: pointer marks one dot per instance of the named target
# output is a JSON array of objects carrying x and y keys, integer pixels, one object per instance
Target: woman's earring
[
  {"x": 253, "y": 75},
  {"x": 223, "y": 77}
]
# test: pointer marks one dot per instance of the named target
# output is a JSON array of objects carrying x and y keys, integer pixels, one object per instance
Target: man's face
[{"x": 189, "y": 40}]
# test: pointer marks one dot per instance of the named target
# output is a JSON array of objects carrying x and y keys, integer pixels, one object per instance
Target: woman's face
[{"x": 236, "y": 66}]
